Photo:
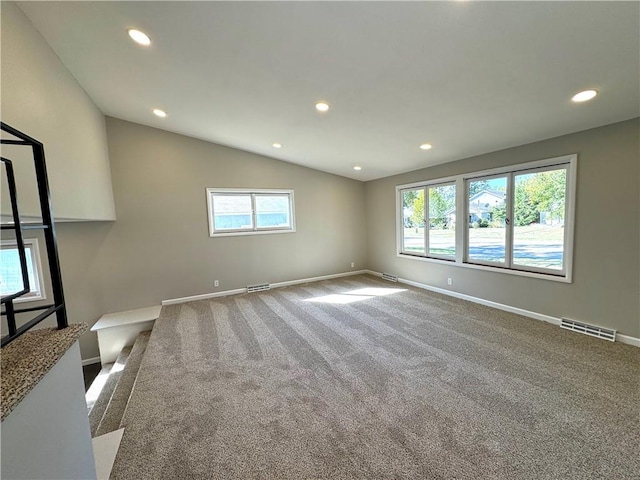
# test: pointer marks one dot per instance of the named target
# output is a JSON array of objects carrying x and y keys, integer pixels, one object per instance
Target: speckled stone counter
[{"x": 26, "y": 360}]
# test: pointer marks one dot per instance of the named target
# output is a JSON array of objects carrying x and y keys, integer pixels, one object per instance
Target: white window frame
[
  {"x": 461, "y": 182},
  {"x": 254, "y": 230},
  {"x": 36, "y": 285},
  {"x": 425, "y": 186}
]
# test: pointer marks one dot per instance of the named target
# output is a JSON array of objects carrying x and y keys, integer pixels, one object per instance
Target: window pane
[
  {"x": 413, "y": 221},
  {"x": 232, "y": 212},
  {"x": 442, "y": 219},
  {"x": 487, "y": 213},
  {"x": 539, "y": 212},
  {"x": 11, "y": 273},
  {"x": 272, "y": 211}
]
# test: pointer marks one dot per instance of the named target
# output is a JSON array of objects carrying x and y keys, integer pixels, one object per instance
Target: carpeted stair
[
  {"x": 100, "y": 406},
  {"x": 107, "y": 411}
]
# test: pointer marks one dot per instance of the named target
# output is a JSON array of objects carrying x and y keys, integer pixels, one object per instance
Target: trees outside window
[{"x": 517, "y": 219}]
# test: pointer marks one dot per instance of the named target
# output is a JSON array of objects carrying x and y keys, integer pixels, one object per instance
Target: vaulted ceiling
[{"x": 466, "y": 77}]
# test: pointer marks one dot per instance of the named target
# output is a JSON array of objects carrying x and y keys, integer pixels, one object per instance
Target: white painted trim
[
  {"x": 254, "y": 230},
  {"x": 569, "y": 161},
  {"x": 488, "y": 268},
  {"x": 626, "y": 339},
  {"x": 39, "y": 293},
  {"x": 488, "y": 303},
  {"x": 204, "y": 296},
  {"x": 237, "y": 291},
  {"x": 90, "y": 361},
  {"x": 317, "y": 279}
]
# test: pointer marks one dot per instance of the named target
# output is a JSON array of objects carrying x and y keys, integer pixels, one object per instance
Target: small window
[
  {"x": 242, "y": 212},
  {"x": 11, "y": 273}
]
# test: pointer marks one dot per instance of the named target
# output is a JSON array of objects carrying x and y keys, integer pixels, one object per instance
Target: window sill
[
  {"x": 507, "y": 271},
  {"x": 253, "y": 232}
]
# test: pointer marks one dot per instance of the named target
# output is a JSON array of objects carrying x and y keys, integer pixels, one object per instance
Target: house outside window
[{"x": 517, "y": 219}]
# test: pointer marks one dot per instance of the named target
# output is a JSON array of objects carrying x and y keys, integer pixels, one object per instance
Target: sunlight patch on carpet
[{"x": 355, "y": 295}]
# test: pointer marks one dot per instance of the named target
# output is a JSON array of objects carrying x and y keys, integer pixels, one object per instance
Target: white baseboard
[
  {"x": 626, "y": 339},
  {"x": 237, "y": 291},
  {"x": 204, "y": 296},
  {"x": 317, "y": 279},
  {"x": 90, "y": 361}
]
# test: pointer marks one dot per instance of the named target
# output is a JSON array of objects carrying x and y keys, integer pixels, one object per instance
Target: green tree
[
  {"x": 546, "y": 190},
  {"x": 418, "y": 209},
  {"x": 408, "y": 197},
  {"x": 524, "y": 209},
  {"x": 477, "y": 186},
  {"x": 498, "y": 215},
  {"x": 437, "y": 207}
]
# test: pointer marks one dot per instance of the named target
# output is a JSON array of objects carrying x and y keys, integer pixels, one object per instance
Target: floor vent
[
  {"x": 388, "y": 276},
  {"x": 258, "y": 288},
  {"x": 599, "y": 332}
]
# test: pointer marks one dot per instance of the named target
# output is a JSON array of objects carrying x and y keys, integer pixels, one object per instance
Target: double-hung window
[
  {"x": 517, "y": 219},
  {"x": 11, "y": 272},
  {"x": 241, "y": 212}
]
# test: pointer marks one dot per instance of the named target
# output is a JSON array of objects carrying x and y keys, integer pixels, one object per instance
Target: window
[
  {"x": 242, "y": 212},
  {"x": 441, "y": 238},
  {"x": 487, "y": 220},
  {"x": 429, "y": 215},
  {"x": 11, "y": 272},
  {"x": 515, "y": 219}
]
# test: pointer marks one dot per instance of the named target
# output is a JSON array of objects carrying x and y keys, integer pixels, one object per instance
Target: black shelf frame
[{"x": 47, "y": 226}]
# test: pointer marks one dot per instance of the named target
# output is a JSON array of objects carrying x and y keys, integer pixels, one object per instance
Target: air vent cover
[
  {"x": 258, "y": 288},
  {"x": 593, "y": 330},
  {"x": 388, "y": 276}
]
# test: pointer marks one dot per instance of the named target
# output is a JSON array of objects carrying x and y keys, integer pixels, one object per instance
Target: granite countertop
[{"x": 26, "y": 360}]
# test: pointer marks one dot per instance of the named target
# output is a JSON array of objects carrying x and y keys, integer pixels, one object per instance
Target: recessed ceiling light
[
  {"x": 139, "y": 37},
  {"x": 584, "y": 96},
  {"x": 357, "y": 167},
  {"x": 425, "y": 146},
  {"x": 322, "y": 106},
  {"x": 276, "y": 145},
  {"x": 159, "y": 113}
]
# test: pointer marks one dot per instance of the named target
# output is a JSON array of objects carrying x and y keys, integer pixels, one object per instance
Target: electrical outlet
[
  {"x": 216, "y": 283},
  {"x": 449, "y": 281},
  {"x": 353, "y": 264}
]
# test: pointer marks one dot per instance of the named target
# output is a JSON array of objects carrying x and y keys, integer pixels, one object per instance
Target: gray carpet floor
[{"x": 346, "y": 379}]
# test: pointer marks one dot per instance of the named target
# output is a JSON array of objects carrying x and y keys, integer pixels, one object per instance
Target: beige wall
[
  {"x": 606, "y": 273},
  {"x": 42, "y": 99},
  {"x": 159, "y": 248}
]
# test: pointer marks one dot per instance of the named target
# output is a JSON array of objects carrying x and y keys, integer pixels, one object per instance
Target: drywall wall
[
  {"x": 606, "y": 268},
  {"x": 41, "y": 98},
  {"x": 159, "y": 248},
  {"x": 47, "y": 435}
]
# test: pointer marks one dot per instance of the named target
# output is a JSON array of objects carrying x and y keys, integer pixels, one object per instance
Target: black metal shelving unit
[{"x": 48, "y": 228}]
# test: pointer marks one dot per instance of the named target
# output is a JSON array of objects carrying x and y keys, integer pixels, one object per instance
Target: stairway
[{"x": 115, "y": 382}]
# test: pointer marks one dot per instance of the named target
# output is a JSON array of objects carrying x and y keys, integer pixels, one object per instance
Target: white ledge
[{"x": 128, "y": 317}]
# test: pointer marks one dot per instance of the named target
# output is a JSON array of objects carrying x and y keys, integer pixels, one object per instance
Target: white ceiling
[{"x": 467, "y": 77}]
